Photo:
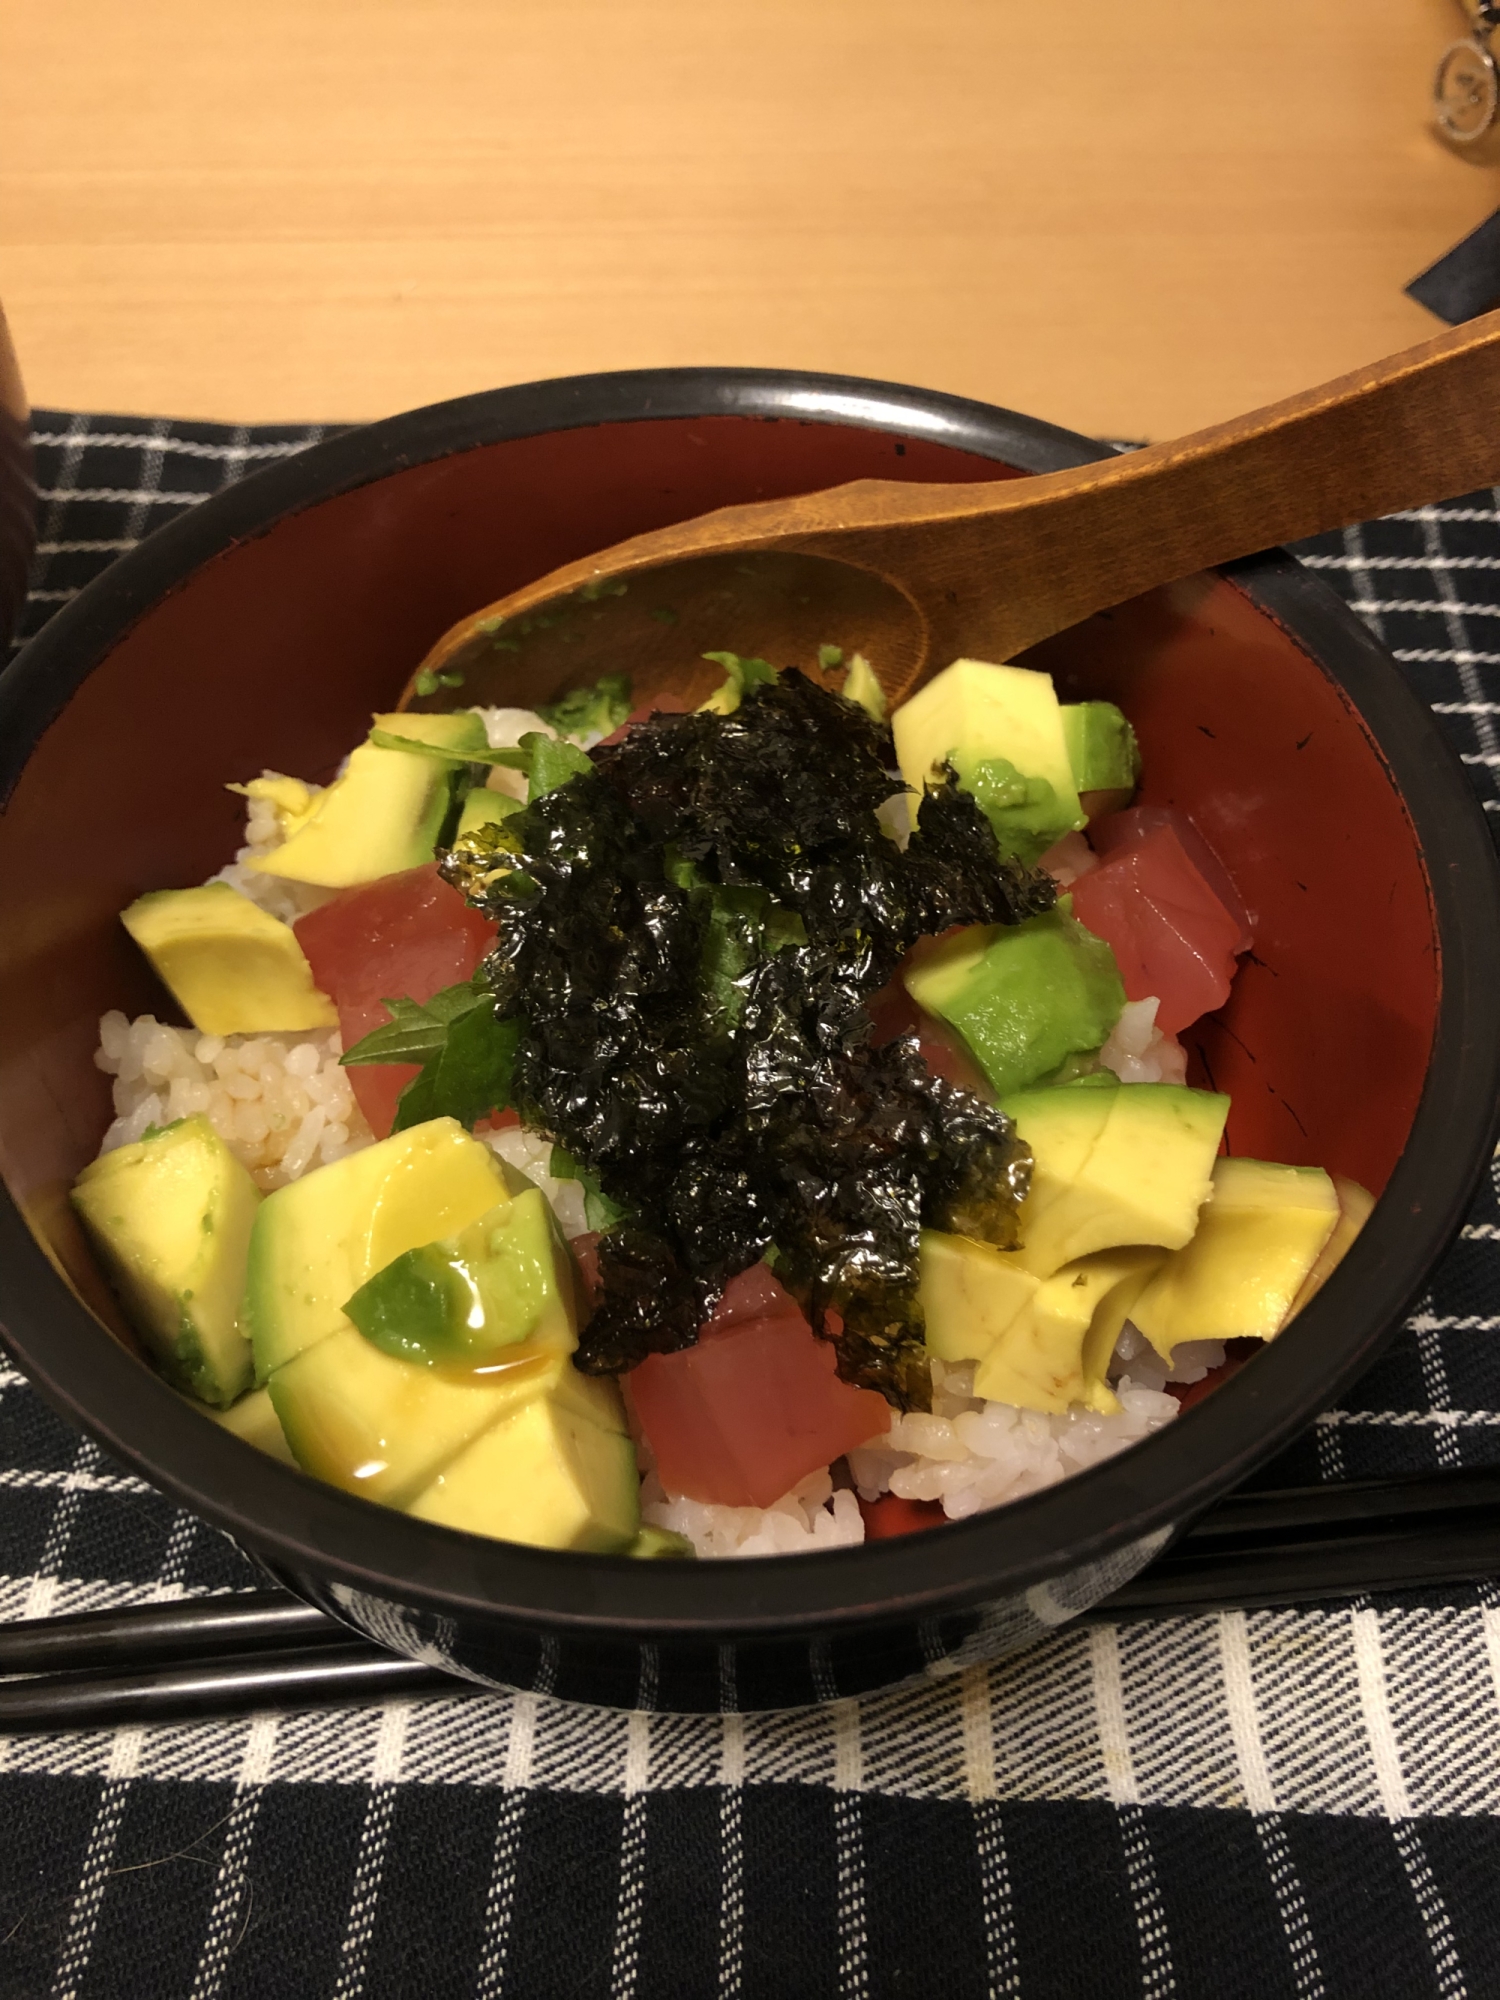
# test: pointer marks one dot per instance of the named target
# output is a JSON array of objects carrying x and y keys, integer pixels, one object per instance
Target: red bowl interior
[{"x": 275, "y": 652}]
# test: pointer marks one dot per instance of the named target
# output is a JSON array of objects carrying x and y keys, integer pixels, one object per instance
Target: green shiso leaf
[
  {"x": 466, "y": 1054},
  {"x": 510, "y": 760},
  {"x": 553, "y": 762}
]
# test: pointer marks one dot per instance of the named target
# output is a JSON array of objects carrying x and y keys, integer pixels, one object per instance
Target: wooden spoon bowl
[{"x": 915, "y": 575}]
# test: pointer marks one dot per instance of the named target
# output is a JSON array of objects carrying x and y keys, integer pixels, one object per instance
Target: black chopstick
[
  {"x": 194, "y": 1628},
  {"x": 260, "y": 1650},
  {"x": 226, "y": 1685}
]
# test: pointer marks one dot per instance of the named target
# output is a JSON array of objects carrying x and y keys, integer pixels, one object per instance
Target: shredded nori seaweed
[{"x": 688, "y": 935}]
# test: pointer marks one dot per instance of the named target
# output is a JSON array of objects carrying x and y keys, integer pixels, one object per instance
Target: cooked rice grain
[{"x": 280, "y": 1103}]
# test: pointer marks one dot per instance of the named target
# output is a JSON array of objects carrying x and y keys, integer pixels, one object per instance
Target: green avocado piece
[
  {"x": 1103, "y": 752},
  {"x": 1026, "y": 813},
  {"x": 386, "y": 811},
  {"x": 660, "y": 1545},
  {"x": 316, "y": 1241},
  {"x": 1131, "y": 1165},
  {"x": 1023, "y": 996},
  {"x": 254, "y": 1419},
  {"x": 385, "y": 1428},
  {"x": 233, "y": 968},
  {"x": 970, "y": 1293},
  {"x": 549, "y": 1475},
  {"x": 464, "y": 1300},
  {"x": 1001, "y": 729},
  {"x": 485, "y": 808},
  {"x": 171, "y": 1218}
]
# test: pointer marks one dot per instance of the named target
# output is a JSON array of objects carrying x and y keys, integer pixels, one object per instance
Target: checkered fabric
[{"x": 1301, "y": 1802}]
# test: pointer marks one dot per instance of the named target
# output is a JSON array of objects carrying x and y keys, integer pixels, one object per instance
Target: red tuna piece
[
  {"x": 1120, "y": 830},
  {"x": 403, "y": 936},
  {"x": 755, "y": 1406},
  {"x": 1170, "y": 934}
]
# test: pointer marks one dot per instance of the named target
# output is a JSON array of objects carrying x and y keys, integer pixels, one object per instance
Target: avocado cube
[
  {"x": 1355, "y": 1206},
  {"x": 548, "y": 1475},
  {"x": 317, "y": 1241},
  {"x": 1143, "y": 1179},
  {"x": 386, "y": 811},
  {"x": 1256, "y": 1244},
  {"x": 485, "y": 808},
  {"x": 970, "y": 1293},
  {"x": 974, "y": 714},
  {"x": 385, "y": 1428},
  {"x": 654, "y": 1544},
  {"x": 171, "y": 1218},
  {"x": 254, "y": 1419},
  {"x": 1104, "y": 754},
  {"x": 1136, "y": 1267},
  {"x": 232, "y": 967},
  {"x": 1038, "y": 1363},
  {"x": 469, "y": 1298},
  {"x": 1023, "y": 996}
]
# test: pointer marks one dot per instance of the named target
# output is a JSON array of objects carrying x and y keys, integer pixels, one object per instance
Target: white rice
[
  {"x": 280, "y": 1103},
  {"x": 1137, "y": 1050},
  {"x": 968, "y": 1454},
  {"x": 533, "y": 1155},
  {"x": 811, "y": 1516},
  {"x": 504, "y": 728},
  {"x": 286, "y": 900}
]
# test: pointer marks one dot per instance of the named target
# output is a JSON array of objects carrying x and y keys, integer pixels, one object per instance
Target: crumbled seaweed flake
[{"x": 687, "y": 937}]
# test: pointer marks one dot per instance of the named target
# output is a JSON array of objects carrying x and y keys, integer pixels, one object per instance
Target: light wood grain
[{"x": 1131, "y": 219}]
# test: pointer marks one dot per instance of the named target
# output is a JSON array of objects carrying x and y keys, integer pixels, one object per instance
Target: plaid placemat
[{"x": 1276, "y": 1802}]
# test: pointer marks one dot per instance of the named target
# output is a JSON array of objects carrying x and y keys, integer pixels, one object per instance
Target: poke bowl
[{"x": 1357, "y": 1046}]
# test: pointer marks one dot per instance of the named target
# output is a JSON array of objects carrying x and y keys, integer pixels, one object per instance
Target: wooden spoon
[{"x": 916, "y": 575}]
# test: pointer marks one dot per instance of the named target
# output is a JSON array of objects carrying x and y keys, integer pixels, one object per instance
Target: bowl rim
[{"x": 298, "y": 1523}]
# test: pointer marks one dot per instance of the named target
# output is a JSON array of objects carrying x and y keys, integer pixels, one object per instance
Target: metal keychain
[{"x": 1466, "y": 89}]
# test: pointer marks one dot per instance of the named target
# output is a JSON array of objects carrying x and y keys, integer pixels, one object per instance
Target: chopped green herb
[
  {"x": 465, "y": 1050},
  {"x": 428, "y": 681},
  {"x": 830, "y": 656},
  {"x": 740, "y": 675},
  {"x": 590, "y": 711}
]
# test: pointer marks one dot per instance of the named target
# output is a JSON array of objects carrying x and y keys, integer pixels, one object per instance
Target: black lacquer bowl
[{"x": 262, "y": 629}]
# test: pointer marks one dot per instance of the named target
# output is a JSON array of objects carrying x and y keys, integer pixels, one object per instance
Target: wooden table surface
[{"x": 1131, "y": 219}]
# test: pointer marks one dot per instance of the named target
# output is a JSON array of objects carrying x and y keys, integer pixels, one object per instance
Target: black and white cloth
[{"x": 1296, "y": 1802}]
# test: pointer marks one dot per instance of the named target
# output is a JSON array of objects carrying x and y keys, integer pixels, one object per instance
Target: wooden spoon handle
[
  {"x": 995, "y": 567},
  {"x": 998, "y": 567}
]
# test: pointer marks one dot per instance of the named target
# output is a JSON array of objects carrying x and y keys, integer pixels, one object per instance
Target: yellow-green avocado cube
[
  {"x": 383, "y": 1427},
  {"x": 232, "y": 967},
  {"x": 386, "y": 811},
  {"x": 171, "y": 1218},
  {"x": 1129, "y": 1163},
  {"x": 1255, "y": 1247},
  {"x": 317, "y": 1240},
  {"x": 1055, "y": 1352},
  {"x": 550, "y": 1475},
  {"x": 254, "y": 1419},
  {"x": 970, "y": 1293},
  {"x": 973, "y": 713}
]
